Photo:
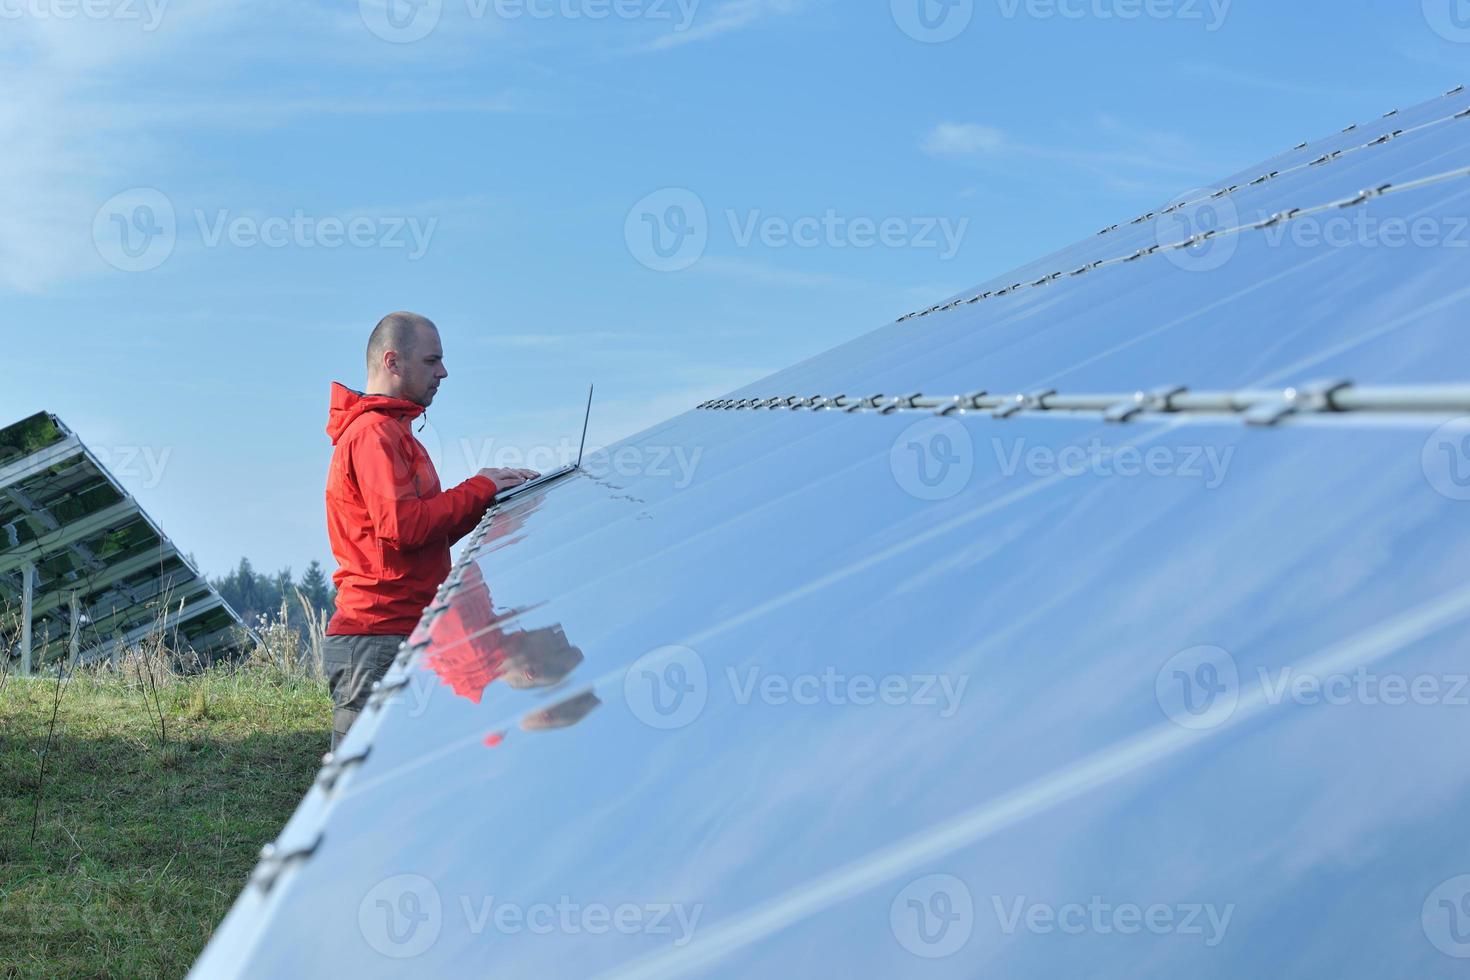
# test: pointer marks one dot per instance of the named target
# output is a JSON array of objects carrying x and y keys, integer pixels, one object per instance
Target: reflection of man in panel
[
  {"x": 390, "y": 523},
  {"x": 471, "y": 650}
]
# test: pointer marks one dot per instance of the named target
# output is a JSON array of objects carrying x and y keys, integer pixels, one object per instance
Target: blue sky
[{"x": 669, "y": 197}]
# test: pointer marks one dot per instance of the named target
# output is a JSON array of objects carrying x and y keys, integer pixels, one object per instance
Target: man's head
[{"x": 405, "y": 358}]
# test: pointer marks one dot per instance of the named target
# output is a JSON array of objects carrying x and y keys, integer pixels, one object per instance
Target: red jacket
[{"x": 390, "y": 524}]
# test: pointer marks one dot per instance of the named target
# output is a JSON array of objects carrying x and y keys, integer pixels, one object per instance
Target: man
[{"x": 390, "y": 524}]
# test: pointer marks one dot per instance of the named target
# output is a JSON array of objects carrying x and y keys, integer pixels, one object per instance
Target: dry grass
[{"x": 150, "y": 787}]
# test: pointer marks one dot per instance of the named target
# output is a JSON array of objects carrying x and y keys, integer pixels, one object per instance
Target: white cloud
[
  {"x": 963, "y": 139},
  {"x": 1121, "y": 156},
  {"x": 733, "y": 15}
]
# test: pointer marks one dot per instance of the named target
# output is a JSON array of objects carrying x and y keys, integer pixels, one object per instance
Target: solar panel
[
  {"x": 1122, "y": 634},
  {"x": 84, "y": 566}
]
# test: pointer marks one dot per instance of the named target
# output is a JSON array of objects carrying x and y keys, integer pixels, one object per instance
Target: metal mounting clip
[
  {"x": 961, "y": 404},
  {"x": 1021, "y": 403},
  {"x": 1158, "y": 400},
  {"x": 273, "y": 861},
  {"x": 334, "y": 765},
  {"x": 382, "y": 692},
  {"x": 1313, "y": 397},
  {"x": 1366, "y": 195},
  {"x": 901, "y": 403}
]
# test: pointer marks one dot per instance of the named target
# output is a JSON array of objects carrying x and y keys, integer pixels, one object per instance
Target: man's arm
[{"x": 400, "y": 516}]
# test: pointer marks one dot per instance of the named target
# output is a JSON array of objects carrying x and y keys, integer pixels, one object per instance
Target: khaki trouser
[{"x": 352, "y": 664}]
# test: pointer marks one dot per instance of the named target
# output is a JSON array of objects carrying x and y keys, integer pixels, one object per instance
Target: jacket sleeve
[{"x": 400, "y": 516}]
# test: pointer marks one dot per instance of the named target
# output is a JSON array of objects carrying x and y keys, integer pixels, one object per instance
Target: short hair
[{"x": 396, "y": 331}]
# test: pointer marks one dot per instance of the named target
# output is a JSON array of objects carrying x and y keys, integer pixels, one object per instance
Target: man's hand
[{"x": 504, "y": 479}]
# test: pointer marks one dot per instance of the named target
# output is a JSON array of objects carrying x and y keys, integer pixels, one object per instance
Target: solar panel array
[
  {"x": 1123, "y": 635},
  {"x": 103, "y": 576}
]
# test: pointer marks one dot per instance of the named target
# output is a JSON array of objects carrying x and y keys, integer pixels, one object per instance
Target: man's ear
[{"x": 390, "y": 361}]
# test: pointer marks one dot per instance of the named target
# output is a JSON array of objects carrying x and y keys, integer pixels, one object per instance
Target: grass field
[{"x": 156, "y": 792}]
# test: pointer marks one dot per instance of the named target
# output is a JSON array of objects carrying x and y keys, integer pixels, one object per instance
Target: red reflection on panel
[{"x": 472, "y": 651}]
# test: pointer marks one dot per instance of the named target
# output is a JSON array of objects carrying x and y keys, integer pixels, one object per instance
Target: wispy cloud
[
  {"x": 963, "y": 139},
  {"x": 1123, "y": 157},
  {"x": 732, "y": 15},
  {"x": 760, "y": 273},
  {"x": 1271, "y": 83}
]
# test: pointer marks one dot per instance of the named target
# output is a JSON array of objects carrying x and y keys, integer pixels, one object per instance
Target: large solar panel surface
[
  {"x": 970, "y": 684},
  {"x": 65, "y": 516}
]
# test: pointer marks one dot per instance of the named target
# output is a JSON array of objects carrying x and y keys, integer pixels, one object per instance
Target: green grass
[{"x": 156, "y": 802}]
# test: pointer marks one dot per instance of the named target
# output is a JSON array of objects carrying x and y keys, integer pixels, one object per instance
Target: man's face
[{"x": 421, "y": 368}]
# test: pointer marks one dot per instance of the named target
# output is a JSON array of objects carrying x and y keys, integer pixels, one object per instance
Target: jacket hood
[{"x": 348, "y": 404}]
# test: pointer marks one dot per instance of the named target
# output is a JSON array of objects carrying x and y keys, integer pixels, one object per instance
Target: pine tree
[{"x": 314, "y": 587}]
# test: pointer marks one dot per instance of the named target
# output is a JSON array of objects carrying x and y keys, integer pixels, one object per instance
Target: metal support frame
[
  {"x": 27, "y": 594},
  {"x": 75, "y": 640}
]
